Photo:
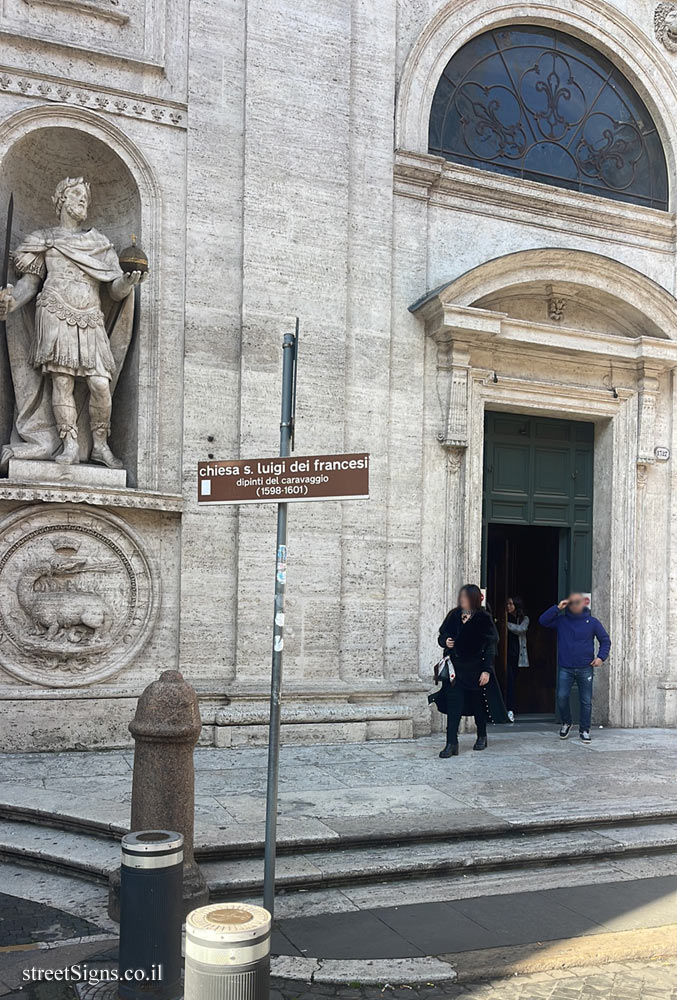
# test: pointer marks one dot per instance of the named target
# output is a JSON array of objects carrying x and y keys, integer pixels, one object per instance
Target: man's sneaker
[
  {"x": 585, "y": 738},
  {"x": 511, "y": 716},
  {"x": 565, "y": 730}
]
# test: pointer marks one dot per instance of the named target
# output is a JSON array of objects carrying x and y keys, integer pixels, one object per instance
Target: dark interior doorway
[
  {"x": 525, "y": 560},
  {"x": 537, "y": 520}
]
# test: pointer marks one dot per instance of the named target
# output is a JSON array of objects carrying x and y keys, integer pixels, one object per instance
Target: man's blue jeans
[{"x": 565, "y": 682}]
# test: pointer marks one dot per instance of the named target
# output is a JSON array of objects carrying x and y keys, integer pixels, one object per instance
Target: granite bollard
[{"x": 166, "y": 728}]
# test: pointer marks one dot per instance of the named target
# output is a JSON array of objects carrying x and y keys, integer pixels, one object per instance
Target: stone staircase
[{"x": 373, "y": 855}]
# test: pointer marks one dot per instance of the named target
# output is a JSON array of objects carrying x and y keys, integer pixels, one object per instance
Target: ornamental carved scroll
[
  {"x": 453, "y": 387},
  {"x": 647, "y": 400},
  {"x": 77, "y": 596}
]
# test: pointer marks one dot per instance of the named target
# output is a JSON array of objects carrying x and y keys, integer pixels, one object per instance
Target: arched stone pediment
[
  {"x": 570, "y": 289},
  {"x": 563, "y": 303},
  {"x": 516, "y": 305}
]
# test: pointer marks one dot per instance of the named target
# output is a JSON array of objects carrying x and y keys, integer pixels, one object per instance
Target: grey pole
[
  {"x": 289, "y": 349},
  {"x": 151, "y": 914}
]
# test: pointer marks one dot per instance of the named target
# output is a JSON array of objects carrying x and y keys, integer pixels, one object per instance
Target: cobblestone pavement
[
  {"x": 642, "y": 980},
  {"x": 23, "y": 921},
  {"x": 627, "y": 981}
]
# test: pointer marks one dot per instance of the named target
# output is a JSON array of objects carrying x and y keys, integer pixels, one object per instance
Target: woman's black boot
[
  {"x": 480, "y": 743},
  {"x": 450, "y": 750}
]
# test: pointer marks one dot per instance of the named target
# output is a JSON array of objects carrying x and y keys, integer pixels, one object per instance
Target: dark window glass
[{"x": 539, "y": 104}]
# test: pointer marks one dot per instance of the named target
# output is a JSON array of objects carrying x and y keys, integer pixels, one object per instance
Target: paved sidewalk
[
  {"x": 620, "y": 981},
  {"x": 485, "y": 922},
  {"x": 331, "y": 793}
]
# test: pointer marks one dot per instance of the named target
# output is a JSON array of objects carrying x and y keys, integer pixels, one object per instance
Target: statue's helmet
[{"x": 62, "y": 189}]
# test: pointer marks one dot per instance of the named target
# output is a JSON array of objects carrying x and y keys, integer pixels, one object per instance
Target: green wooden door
[{"x": 539, "y": 471}]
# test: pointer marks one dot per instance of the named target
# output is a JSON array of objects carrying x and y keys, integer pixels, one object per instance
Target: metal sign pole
[{"x": 289, "y": 355}]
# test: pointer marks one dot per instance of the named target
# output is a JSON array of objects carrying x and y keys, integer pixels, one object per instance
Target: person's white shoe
[{"x": 511, "y": 716}]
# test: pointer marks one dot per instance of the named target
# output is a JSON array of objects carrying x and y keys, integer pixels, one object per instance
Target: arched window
[{"x": 538, "y": 104}]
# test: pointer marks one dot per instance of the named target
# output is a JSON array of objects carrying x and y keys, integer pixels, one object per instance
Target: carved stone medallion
[{"x": 77, "y": 599}]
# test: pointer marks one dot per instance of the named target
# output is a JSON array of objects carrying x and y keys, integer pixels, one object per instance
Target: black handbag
[{"x": 444, "y": 670}]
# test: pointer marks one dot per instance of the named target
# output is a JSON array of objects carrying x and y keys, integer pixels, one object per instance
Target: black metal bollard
[
  {"x": 228, "y": 952},
  {"x": 151, "y": 911}
]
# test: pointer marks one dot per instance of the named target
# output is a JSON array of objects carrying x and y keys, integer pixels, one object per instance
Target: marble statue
[
  {"x": 69, "y": 324},
  {"x": 665, "y": 22}
]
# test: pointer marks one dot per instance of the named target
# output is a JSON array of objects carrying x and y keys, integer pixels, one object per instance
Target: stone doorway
[
  {"x": 537, "y": 518},
  {"x": 498, "y": 351}
]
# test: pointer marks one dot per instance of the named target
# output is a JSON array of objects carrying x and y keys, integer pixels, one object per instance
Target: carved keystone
[{"x": 166, "y": 728}]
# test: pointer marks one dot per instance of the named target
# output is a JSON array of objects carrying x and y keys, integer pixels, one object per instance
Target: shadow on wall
[{"x": 30, "y": 171}]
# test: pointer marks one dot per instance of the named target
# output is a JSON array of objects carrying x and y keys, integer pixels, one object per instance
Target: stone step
[
  {"x": 83, "y": 854},
  {"x": 316, "y": 869},
  {"x": 399, "y": 831},
  {"x": 243, "y": 725},
  {"x": 94, "y": 857},
  {"x": 240, "y": 840}
]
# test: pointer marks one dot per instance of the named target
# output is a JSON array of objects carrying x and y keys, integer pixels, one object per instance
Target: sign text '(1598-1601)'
[{"x": 281, "y": 480}]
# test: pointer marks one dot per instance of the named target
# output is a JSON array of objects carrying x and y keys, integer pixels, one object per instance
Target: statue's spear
[
  {"x": 8, "y": 240},
  {"x": 4, "y": 353}
]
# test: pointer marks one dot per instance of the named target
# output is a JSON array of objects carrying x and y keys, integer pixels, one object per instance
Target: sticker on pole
[{"x": 284, "y": 480}]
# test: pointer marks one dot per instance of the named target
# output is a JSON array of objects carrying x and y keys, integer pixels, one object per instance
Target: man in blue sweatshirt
[{"x": 576, "y": 631}]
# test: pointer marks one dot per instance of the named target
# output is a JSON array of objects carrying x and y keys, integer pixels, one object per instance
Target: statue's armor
[
  {"x": 70, "y": 333},
  {"x": 67, "y": 282}
]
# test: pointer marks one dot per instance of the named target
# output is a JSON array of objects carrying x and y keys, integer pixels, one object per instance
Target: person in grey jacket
[{"x": 518, "y": 655}]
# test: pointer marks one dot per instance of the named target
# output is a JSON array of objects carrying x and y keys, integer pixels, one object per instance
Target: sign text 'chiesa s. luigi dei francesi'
[{"x": 485, "y": 283}]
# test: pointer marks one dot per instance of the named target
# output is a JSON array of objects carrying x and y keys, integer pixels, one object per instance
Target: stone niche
[
  {"x": 89, "y": 569},
  {"x": 30, "y": 170}
]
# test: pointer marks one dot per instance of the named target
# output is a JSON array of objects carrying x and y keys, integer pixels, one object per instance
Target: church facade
[{"x": 471, "y": 209}]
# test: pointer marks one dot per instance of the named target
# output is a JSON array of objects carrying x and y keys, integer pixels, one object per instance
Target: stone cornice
[
  {"x": 86, "y": 7},
  {"x": 482, "y": 326},
  {"x": 481, "y": 192},
  {"x": 212, "y": 690},
  {"x": 138, "y": 499},
  {"x": 143, "y": 63},
  {"x": 80, "y": 95}
]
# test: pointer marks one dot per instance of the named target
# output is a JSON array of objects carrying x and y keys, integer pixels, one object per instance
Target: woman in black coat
[{"x": 468, "y": 635}]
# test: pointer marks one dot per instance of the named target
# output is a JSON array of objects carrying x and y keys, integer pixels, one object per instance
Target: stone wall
[{"x": 273, "y": 162}]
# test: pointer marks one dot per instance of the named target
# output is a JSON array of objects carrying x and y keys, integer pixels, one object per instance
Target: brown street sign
[{"x": 284, "y": 480}]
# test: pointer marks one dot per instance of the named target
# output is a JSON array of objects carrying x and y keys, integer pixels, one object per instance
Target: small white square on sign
[{"x": 206, "y": 488}]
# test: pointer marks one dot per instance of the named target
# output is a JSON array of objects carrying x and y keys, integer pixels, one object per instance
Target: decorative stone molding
[
  {"x": 440, "y": 183},
  {"x": 253, "y": 714},
  {"x": 106, "y": 9},
  {"x": 647, "y": 397},
  {"x": 132, "y": 499},
  {"x": 78, "y": 598},
  {"x": 646, "y": 306},
  {"x": 557, "y": 305},
  {"x": 78, "y": 95},
  {"x": 665, "y": 25},
  {"x": 455, "y": 459},
  {"x": 452, "y": 367},
  {"x": 137, "y": 36}
]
